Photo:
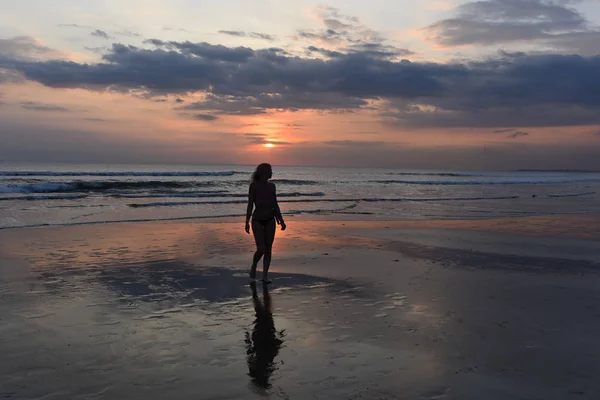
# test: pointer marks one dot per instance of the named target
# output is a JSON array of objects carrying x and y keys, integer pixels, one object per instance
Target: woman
[{"x": 263, "y": 198}]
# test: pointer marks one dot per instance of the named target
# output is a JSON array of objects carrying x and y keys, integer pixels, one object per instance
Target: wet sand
[{"x": 497, "y": 309}]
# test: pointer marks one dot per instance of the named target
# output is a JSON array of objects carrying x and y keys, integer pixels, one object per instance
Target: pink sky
[{"x": 347, "y": 86}]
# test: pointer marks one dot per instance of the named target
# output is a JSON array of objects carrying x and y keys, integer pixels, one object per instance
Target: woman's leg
[
  {"x": 269, "y": 235},
  {"x": 259, "y": 237}
]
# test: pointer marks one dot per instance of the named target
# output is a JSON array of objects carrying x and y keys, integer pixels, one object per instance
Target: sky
[{"x": 433, "y": 84}]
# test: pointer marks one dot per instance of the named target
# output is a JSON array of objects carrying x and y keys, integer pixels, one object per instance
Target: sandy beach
[{"x": 468, "y": 309}]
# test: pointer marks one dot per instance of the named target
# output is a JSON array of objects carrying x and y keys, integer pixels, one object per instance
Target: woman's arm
[
  {"x": 276, "y": 208},
  {"x": 250, "y": 206}
]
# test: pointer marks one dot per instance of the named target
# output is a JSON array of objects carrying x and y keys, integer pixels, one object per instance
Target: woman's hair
[{"x": 263, "y": 171}]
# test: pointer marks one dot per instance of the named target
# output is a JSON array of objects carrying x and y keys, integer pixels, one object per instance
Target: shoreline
[
  {"x": 494, "y": 309},
  {"x": 554, "y": 225}
]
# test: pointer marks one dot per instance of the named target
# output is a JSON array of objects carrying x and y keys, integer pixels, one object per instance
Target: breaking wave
[
  {"x": 98, "y": 186},
  {"x": 120, "y": 174}
]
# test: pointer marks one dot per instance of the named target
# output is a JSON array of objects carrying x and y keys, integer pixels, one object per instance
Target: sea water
[{"x": 39, "y": 195}]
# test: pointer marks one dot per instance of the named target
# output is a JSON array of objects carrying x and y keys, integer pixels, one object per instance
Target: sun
[{"x": 269, "y": 145}]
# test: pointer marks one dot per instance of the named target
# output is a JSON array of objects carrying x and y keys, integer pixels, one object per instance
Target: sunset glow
[{"x": 423, "y": 85}]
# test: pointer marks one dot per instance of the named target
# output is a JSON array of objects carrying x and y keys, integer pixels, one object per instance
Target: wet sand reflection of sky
[{"x": 174, "y": 325}]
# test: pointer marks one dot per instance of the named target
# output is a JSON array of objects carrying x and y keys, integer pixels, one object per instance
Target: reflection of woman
[
  {"x": 264, "y": 342},
  {"x": 262, "y": 198}
]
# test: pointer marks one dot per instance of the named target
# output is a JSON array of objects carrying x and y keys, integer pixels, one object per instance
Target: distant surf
[
  {"x": 117, "y": 173},
  {"x": 42, "y": 195}
]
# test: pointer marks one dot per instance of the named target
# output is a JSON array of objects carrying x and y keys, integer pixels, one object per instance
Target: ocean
[{"x": 51, "y": 195}]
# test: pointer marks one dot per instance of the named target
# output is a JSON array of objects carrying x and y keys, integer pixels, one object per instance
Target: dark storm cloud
[
  {"x": 205, "y": 117},
  {"x": 37, "y": 106},
  {"x": 517, "y": 134},
  {"x": 253, "y": 35},
  {"x": 502, "y": 21},
  {"x": 101, "y": 34},
  {"x": 512, "y": 89}
]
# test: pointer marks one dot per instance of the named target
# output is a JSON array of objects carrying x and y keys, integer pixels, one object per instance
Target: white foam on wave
[
  {"x": 108, "y": 173},
  {"x": 51, "y": 197},
  {"x": 37, "y": 188}
]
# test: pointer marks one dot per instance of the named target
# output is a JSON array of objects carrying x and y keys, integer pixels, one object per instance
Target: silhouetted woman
[
  {"x": 263, "y": 344},
  {"x": 262, "y": 198}
]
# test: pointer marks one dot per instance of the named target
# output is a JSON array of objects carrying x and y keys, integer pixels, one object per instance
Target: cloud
[
  {"x": 205, "y": 50},
  {"x": 233, "y": 33},
  {"x": 260, "y": 103},
  {"x": 205, "y": 117},
  {"x": 127, "y": 33},
  {"x": 263, "y": 36},
  {"x": 37, "y": 106},
  {"x": 355, "y": 143},
  {"x": 488, "y": 22},
  {"x": 261, "y": 138},
  {"x": 170, "y": 29},
  {"x": 97, "y": 50},
  {"x": 295, "y": 127},
  {"x": 78, "y": 26},
  {"x": 508, "y": 90},
  {"x": 327, "y": 53},
  {"x": 179, "y": 100},
  {"x": 512, "y": 90},
  {"x": 25, "y": 48},
  {"x": 8, "y": 76},
  {"x": 517, "y": 134},
  {"x": 344, "y": 34},
  {"x": 100, "y": 34},
  {"x": 253, "y": 35}
]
